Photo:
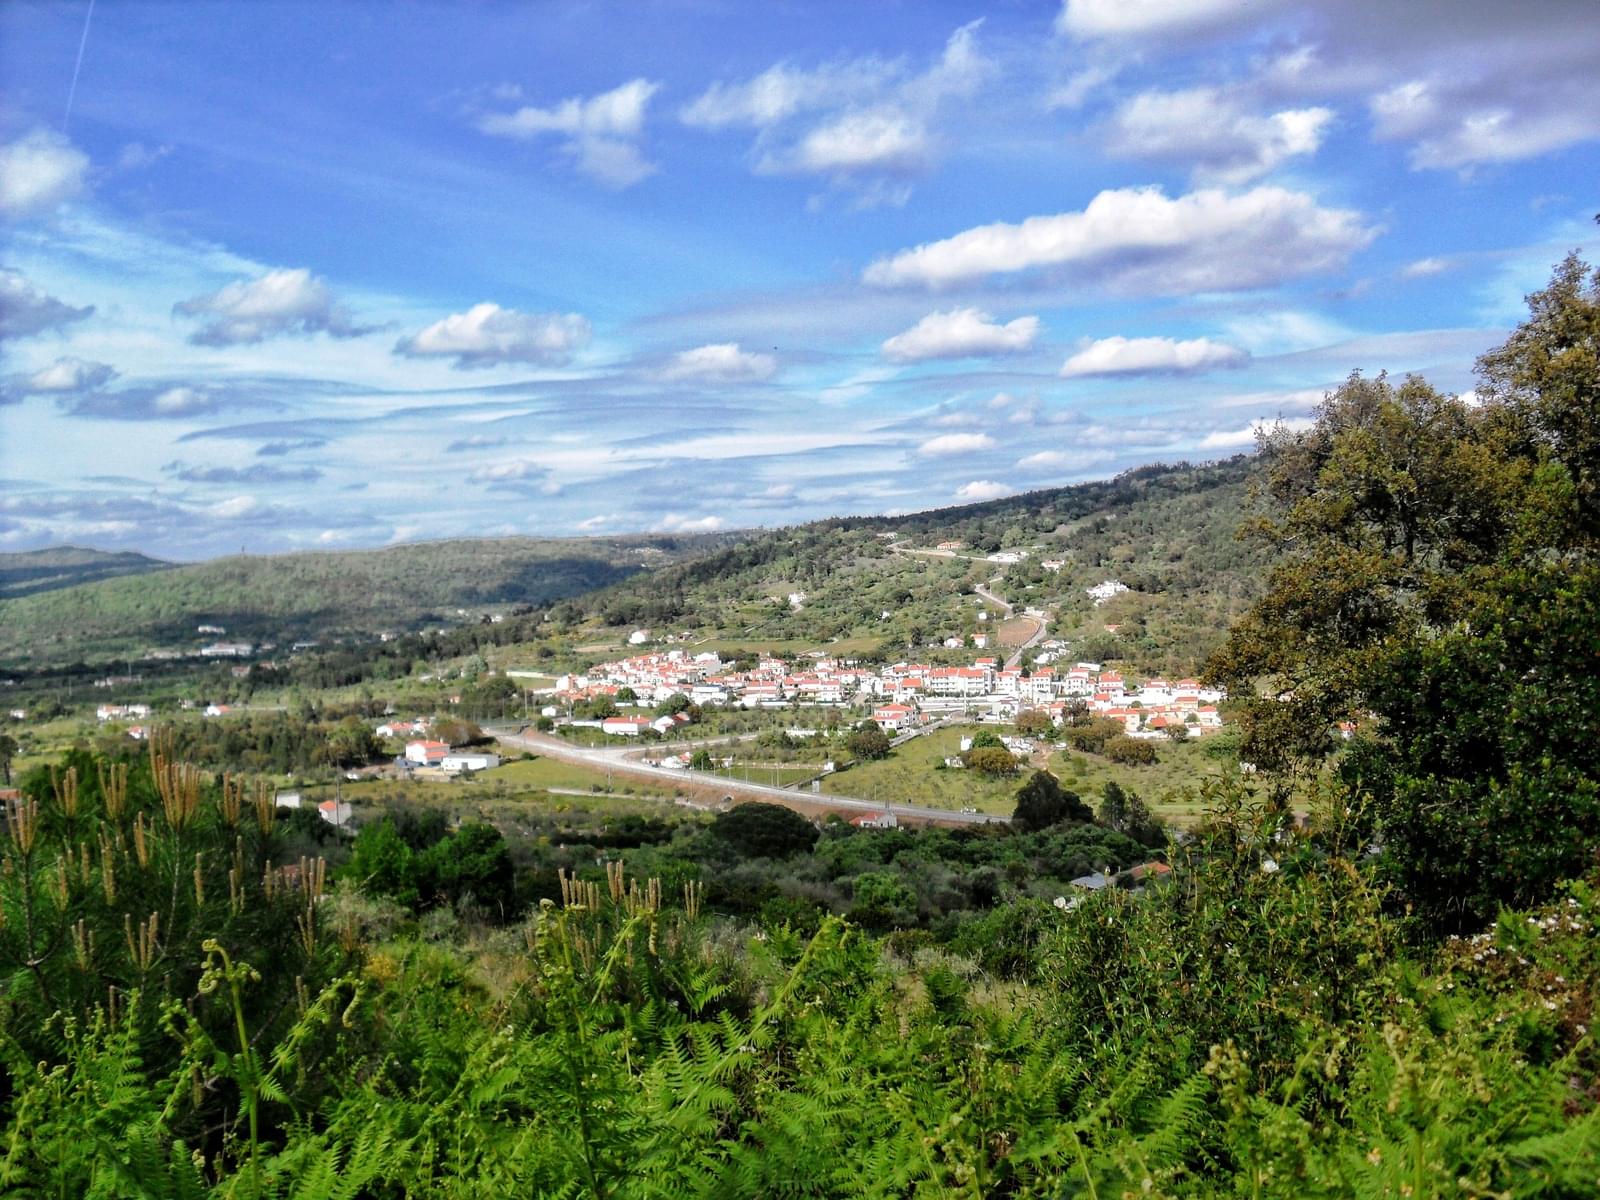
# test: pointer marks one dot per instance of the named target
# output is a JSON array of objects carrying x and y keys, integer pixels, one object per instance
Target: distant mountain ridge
[
  {"x": 25, "y": 572},
  {"x": 309, "y": 595}
]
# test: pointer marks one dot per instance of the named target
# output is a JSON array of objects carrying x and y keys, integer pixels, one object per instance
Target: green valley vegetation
[
  {"x": 287, "y": 597},
  {"x": 1392, "y": 993},
  {"x": 1166, "y": 531}
]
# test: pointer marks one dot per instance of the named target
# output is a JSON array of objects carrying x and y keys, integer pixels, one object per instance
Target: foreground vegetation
[{"x": 1394, "y": 996}]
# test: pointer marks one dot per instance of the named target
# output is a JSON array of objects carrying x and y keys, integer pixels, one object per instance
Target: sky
[{"x": 280, "y": 276}]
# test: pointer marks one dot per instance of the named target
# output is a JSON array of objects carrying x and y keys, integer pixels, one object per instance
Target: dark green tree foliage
[
  {"x": 758, "y": 830},
  {"x": 1125, "y": 812},
  {"x": 868, "y": 742},
  {"x": 422, "y": 866},
  {"x": 994, "y": 761},
  {"x": 1439, "y": 574},
  {"x": 1125, "y": 749},
  {"x": 1043, "y": 802}
]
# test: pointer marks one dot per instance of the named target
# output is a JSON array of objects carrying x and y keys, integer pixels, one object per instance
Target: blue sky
[{"x": 325, "y": 276}]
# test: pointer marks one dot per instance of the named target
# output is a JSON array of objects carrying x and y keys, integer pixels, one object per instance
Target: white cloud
[
  {"x": 782, "y": 91},
  {"x": 1424, "y": 267},
  {"x": 599, "y": 521},
  {"x": 960, "y": 333},
  {"x": 1211, "y": 131},
  {"x": 600, "y": 133},
  {"x": 678, "y": 523},
  {"x": 282, "y": 301},
  {"x": 70, "y": 375},
  {"x": 873, "y": 119},
  {"x": 1060, "y": 460},
  {"x": 1152, "y": 356},
  {"x": 721, "y": 362},
  {"x": 1238, "y": 439},
  {"x": 982, "y": 489},
  {"x": 236, "y": 508},
  {"x": 1137, "y": 240},
  {"x": 487, "y": 335},
  {"x": 183, "y": 402},
  {"x": 876, "y": 140},
  {"x": 1142, "y": 18},
  {"x": 956, "y": 443},
  {"x": 39, "y": 171},
  {"x": 25, "y": 308}
]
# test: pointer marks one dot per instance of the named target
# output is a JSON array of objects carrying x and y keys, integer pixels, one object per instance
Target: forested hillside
[
  {"x": 285, "y": 597},
  {"x": 25, "y": 572},
  {"x": 1168, "y": 532}
]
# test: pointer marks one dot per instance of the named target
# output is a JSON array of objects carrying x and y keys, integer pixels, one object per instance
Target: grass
[
  {"x": 1169, "y": 786},
  {"x": 910, "y": 776}
]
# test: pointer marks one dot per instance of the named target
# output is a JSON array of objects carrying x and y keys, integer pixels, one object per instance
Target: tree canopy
[{"x": 1437, "y": 583}]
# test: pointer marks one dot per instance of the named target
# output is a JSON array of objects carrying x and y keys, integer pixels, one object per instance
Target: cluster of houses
[{"x": 905, "y": 695}]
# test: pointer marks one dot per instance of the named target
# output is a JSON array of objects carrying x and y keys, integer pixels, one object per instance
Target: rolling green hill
[
  {"x": 31, "y": 571},
  {"x": 281, "y": 598},
  {"x": 1168, "y": 532}
]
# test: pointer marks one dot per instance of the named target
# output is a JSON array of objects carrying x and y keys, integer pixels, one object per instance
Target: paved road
[{"x": 615, "y": 758}]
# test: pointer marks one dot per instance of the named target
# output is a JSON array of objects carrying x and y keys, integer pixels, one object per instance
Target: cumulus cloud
[
  {"x": 26, "y": 310},
  {"x": 1137, "y": 240},
  {"x": 956, "y": 443},
  {"x": 1152, "y": 356},
  {"x": 721, "y": 362},
  {"x": 862, "y": 124},
  {"x": 960, "y": 333},
  {"x": 67, "y": 375},
  {"x": 599, "y": 133},
  {"x": 487, "y": 335},
  {"x": 38, "y": 172},
  {"x": 1459, "y": 122},
  {"x": 282, "y": 301},
  {"x": 1213, "y": 132},
  {"x": 982, "y": 489}
]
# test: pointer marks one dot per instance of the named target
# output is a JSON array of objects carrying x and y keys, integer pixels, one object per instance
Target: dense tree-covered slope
[
  {"x": 317, "y": 595},
  {"x": 30, "y": 571}
]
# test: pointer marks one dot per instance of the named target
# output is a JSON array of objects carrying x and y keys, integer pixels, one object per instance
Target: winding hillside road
[{"x": 616, "y": 758}]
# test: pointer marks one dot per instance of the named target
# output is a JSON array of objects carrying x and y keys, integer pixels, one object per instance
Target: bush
[
  {"x": 758, "y": 830},
  {"x": 1043, "y": 802},
  {"x": 868, "y": 743},
  {"x": 995, "y": 761},
  {"x": 1125, "y": 749}
]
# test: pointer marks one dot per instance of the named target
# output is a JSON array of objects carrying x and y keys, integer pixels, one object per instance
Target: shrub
[{"x": 1125, "y": 749}]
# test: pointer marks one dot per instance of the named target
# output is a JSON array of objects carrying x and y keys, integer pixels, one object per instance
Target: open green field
[
  {"x": 910, "y": 775},
  {"x": 1170, "y": 786},
  {"x": 783, "y": 647}
]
